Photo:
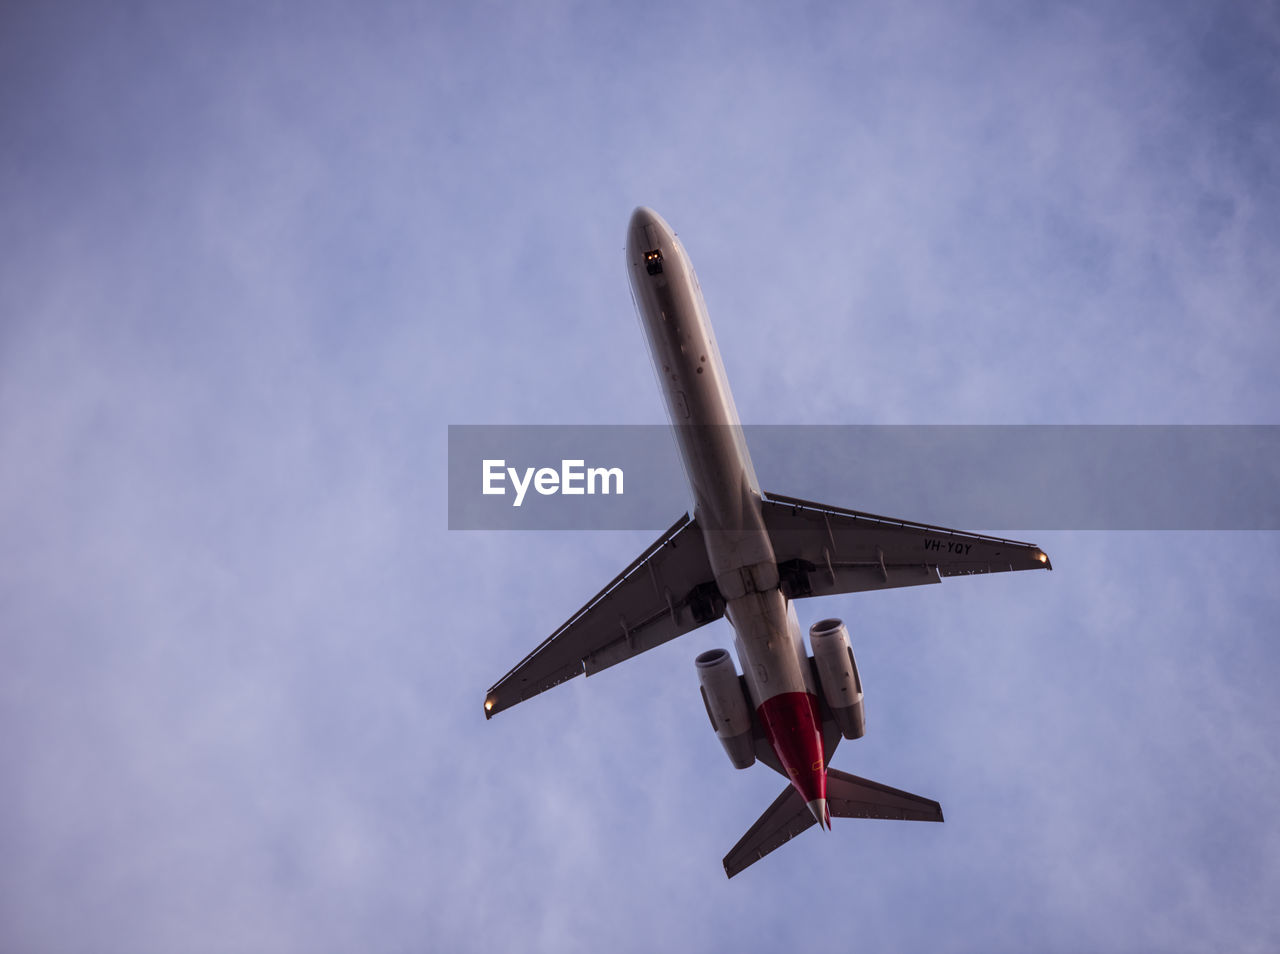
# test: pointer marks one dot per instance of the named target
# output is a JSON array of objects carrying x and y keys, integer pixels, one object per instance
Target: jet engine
[
  {"x": 727, "y": 706},
  {"x": 838, "y": 675}
]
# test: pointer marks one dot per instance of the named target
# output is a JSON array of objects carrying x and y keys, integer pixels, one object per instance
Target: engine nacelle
[
  {"x": 726, "y": 705},
  {"x": 838, "y": 676}
]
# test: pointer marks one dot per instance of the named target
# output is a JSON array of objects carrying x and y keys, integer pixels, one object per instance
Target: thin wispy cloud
[{"x": 256, "y": 261}]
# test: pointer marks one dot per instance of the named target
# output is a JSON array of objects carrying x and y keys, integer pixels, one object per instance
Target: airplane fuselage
[
  {"x": 746, "y": 555},
  {"x": 727, "y": 501}
]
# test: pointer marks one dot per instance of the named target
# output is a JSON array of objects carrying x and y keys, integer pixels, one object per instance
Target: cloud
[{"x": 258, "y": 260}]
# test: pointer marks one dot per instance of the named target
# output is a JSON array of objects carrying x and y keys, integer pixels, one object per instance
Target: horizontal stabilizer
[
  {"x": 848, "y": 796},
  {"x": 787, "y": 817},
  {"x": 851, "y": 797}
]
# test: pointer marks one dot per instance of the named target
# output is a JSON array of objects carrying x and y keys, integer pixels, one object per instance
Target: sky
[{"x": 257, "y": 257}]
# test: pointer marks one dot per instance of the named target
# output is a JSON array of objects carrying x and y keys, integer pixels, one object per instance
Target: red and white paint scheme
[{"x": 747, "y": 556}]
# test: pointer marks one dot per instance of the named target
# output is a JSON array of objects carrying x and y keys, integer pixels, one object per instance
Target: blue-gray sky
[{"x": 256, "y": 258}]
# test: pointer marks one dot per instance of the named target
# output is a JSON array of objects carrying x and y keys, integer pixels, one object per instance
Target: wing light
[{"x": 1042, "y": 557}]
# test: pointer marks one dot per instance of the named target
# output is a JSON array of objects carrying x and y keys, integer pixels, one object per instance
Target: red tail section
[{"x": 793, "y": 725}]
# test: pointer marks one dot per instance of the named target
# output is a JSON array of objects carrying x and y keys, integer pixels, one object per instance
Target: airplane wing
[
  {"x": 822, "y": 550},
  {"x": 669, "y": 590}
]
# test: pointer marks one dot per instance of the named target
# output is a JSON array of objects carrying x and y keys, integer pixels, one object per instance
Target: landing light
[
  {"x": 488, "y": 705},
  {"x": 1043, "y": 558}
]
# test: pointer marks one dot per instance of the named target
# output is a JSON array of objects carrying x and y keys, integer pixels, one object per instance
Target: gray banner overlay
[{"x": 977, "y": 478}]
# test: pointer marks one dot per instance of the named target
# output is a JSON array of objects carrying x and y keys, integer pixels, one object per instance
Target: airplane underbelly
[
  {"x": 773, "y": 662},
  {"x": 793, "y": 725}
]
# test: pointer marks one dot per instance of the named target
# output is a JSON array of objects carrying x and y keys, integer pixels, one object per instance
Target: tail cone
[{"x": 819, "y": 808}]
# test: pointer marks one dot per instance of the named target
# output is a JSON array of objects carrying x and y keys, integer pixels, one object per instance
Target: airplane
[{"x": 749, "y": 556}]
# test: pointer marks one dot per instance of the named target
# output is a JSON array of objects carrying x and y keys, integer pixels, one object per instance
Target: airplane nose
[
  {"x": 643, "y": 216},
  {"x": 646, "y": 230}
]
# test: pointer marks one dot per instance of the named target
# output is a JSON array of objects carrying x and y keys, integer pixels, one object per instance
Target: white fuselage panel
[{"x": 727, "y": 501}]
